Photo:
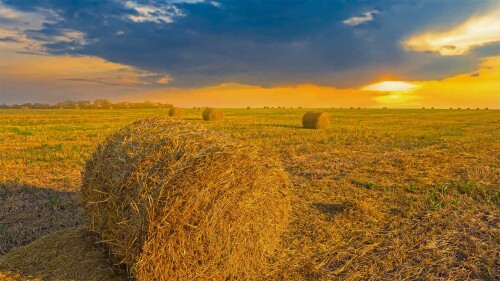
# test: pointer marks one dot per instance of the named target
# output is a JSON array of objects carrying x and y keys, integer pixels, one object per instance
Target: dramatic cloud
[
  {"x": 366, "y": 17},
  {"x": 267, "y": 43},
  {"x": 477, "y": 31},
  {"x": 254, "y": 42}
]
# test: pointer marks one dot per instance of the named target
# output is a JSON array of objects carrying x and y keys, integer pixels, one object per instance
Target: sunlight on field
[{"x": 382, "y": 194}]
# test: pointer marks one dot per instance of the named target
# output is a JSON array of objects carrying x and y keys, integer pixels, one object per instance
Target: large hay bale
[
  {"x": 316, "y": 120},
  {"x": 174, "y": 201},
  {"x": 212, "y": 114},
  {"x": 176, "y": 112},
  {"x": 71, "y": 254}
]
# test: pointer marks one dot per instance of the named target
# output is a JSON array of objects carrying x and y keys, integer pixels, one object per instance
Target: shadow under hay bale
[
  {"x": 174, "y": 201},
  {"x": 316, "y": 120},
  {"x": 212, "y": 114},
  {"x": 71, "y": 254},
  {"x": 28, "y": 212},
  {"x": 176, "y": 112}
]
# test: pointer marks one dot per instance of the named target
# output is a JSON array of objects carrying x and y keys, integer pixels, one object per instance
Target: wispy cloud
[
  {"x": 153, "y": 13},
  {"x": 475, "y": 32},
  {"x": 9, "y": 14},
  {"x": 215, "y": 4},
  {"x": 365, "y": 17},
  {"x": 8, "y": 39}
]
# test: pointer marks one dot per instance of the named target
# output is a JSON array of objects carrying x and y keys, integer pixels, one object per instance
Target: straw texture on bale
[
  {"x": 70, "y": 254},
  {"x": 212, "y": 114},
  {"x": 175, "y": 112},
  {"x": 316, "y": 120},
  {"x": 174, "y": 201}
]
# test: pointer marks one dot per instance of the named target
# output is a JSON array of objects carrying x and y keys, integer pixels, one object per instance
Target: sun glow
[{"x": 391, "y": 86}]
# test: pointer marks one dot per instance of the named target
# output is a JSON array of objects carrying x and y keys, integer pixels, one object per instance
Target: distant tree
[
  {"x": 84, "y": 104},
  {"x": 101, "y": 103}
]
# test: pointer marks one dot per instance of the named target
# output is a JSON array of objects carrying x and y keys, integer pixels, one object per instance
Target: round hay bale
[
  {"x": 174, "y": 201},
  {"x": 175, "y": 112},
  {"x": 316, "y": 120},
  {"x": 212, "y": 114}
]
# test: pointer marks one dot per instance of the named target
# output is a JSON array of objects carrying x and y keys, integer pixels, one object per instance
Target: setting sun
[{"x": 391, "y": 86}]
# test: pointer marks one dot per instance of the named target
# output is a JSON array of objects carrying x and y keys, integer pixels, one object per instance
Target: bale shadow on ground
[
  {"x": 28, "y": 212},
  {"x": 330, "y": 209},
  {"x": 293, "y": 126}
]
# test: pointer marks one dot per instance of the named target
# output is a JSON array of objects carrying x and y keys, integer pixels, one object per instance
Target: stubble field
[{"x": 384, "y": 194}]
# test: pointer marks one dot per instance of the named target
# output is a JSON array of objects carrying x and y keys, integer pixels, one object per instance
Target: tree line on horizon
[{"x": 96, "y": 104}]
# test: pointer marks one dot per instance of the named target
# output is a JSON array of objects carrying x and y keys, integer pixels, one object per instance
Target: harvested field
[
  {"x": 384, "y": 194},
  {"x": 28, "y": 212}
]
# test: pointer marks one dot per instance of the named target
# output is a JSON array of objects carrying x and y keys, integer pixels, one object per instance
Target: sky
[{"x": 237, "y": 53}]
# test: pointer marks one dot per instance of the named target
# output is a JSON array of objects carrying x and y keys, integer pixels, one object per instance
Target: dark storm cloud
[{"x": 267, "y": 42}]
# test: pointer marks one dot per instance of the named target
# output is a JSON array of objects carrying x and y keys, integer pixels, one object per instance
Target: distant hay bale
[
  {"x": 175, "y": 201},
  {"x": 316, "y": 120},
  {"x": 175, "y": 112},
  {"x": 212, "y": 114},
  {"x": 71, "y": 254}
]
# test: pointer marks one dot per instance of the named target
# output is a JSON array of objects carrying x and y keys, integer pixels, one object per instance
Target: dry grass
[
  {"x": 316, "y": 120},
  {"x": 383, "y": 195},
  {"x": 212, "y": 114},
  {"x": 174, "y": 201},
  {"x": 70, "y": 254},
  {"x": 176, "y": 112}
]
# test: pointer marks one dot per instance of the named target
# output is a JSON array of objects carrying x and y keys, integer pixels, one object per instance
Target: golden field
[{"x": 383, "y": 194}]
